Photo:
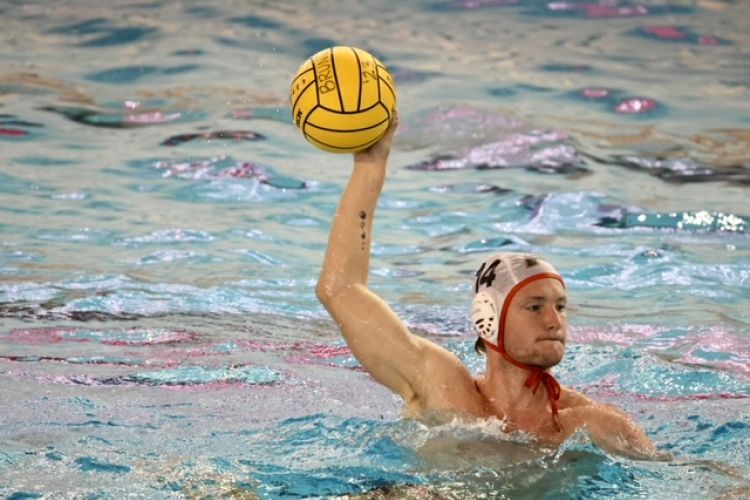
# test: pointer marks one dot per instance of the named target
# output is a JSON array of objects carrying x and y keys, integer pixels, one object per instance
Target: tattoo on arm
[{"x": 363, "y": 236}]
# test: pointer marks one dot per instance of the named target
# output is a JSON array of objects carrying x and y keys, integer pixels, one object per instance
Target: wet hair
[{"x": 479, "y": 346}]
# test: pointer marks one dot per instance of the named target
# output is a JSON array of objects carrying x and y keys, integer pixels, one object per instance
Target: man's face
[{"x": 536, "y": 326}]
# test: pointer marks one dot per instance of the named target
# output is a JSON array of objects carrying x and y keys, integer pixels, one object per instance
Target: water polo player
[{"x": 519, "y": 310}]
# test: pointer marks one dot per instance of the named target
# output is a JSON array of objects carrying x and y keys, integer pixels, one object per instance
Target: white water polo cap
[{"x": 499, "y": 278}]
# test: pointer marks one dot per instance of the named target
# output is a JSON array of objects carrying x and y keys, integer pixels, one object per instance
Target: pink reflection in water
[
  {"x": 635, "y": 105},
  {"x": 666, "y": 32},
  {"x": 712, "y": 347},
  {"x": 12, "y": 132},
  {"x": 731, "y": 352},
  {"x": 478, "y": 4},
  {"x": 625, "y": 335},
  {"x": 708, "y": 40},
  {"x": 131, "y": 337},
  {"x": 43, "y": 335},
  {"x": 599, "y": 11},
  {"x": 152, "y": 118},
  {"x": 596, "y": 93},
  {"x": 607, "y": 391}
]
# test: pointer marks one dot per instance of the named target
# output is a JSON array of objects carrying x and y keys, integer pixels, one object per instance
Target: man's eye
[
  {"x": 561, "y": 307},
  {"x": 535, "y": 308}
]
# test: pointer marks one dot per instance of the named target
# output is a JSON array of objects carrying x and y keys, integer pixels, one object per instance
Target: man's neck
[{"x": 504, "y": 387}]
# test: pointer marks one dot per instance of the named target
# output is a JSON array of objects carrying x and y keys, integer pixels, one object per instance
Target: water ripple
[
  {"x": 101, "y": 32},
  {"x": 197, "y": 375},
  {"x": 169, "y": 236}
]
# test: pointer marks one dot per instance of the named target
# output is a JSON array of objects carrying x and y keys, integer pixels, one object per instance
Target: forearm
[
  {"x": 623, "y": 437},
  {"x": 347, "y": 259},
  {"x": 612, "y": 430}
]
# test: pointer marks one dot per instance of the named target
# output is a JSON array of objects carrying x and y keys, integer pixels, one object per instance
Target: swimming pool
[{"x": 162, "y": 225}]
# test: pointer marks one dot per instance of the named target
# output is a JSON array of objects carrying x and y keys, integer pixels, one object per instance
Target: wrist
[
  {"x": 370, "y": 162},
  {"x": 370, "y": 169}
]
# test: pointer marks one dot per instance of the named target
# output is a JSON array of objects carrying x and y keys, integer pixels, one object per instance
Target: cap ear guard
[{"x": 485, "y": 314}]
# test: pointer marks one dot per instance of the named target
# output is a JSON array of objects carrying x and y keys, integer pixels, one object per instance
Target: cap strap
[{"x": 538, "y": 376}]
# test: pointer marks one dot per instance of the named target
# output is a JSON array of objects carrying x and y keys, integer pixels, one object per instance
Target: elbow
[
  {"x": 331, "y": 291},
  {"x": 328, "y": 290},
  {"x": 324, "y": 292}
]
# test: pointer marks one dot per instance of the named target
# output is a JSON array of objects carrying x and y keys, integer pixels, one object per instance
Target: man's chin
[
  {"x": 546, "y": 355},
  {"x": 549, "y": 364},
  {"x": 548, "y": 361}
]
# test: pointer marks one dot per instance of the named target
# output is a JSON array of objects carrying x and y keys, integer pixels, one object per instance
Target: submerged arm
[{"x": 376, "y": 336}]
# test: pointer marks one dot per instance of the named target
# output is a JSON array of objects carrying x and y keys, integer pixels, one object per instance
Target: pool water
[{"x": 162, "y": 225}]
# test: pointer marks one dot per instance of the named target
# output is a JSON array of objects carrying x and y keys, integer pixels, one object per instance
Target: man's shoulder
[
  {"x": 446, "y": 383},
  {"x": 573, "y": 399},
  {"x": 439, "y": 361},
  {"x": 577, "y": 407}
]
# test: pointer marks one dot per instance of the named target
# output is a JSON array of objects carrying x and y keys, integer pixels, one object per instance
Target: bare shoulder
[
  {"x": 573, "y": 399},
  {"x": 578, "y": 410},
  {"x": 446, "y": 383},
  {"x": 442, "y": 365},
  {"x": 580, "y": 404}
]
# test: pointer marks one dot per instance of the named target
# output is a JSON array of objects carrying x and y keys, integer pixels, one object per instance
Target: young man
[{"x": 519, "y": 311}]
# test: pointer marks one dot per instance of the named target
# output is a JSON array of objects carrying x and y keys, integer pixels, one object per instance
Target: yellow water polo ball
[{"x": 343, "y": 99}]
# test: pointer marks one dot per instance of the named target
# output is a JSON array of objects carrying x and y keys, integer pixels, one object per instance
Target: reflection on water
[{"x": 162, "y": 224}]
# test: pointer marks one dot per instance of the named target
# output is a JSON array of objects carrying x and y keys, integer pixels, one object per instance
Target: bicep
[{"x": 379, "y": 339}]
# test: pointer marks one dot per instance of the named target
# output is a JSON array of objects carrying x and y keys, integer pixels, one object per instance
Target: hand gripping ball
[{"x": 343, "y": 99}]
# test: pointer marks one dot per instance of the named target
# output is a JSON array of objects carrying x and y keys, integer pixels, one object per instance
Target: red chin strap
[{"x": 538, "y": 375}]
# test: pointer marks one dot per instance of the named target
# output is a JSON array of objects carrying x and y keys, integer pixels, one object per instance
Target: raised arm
[{"x": 376, "y": 336}]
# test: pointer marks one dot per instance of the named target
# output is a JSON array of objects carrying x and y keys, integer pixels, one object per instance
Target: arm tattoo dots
[{"x": 363, "y": 236}]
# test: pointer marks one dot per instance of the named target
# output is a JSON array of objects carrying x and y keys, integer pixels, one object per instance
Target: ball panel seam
[
  {"x": 344, "y": 131},
  {"x": 294, "y": 106},
  {"x": 336, "y": 78}
]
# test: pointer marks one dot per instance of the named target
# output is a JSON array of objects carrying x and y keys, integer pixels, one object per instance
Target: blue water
[{"x": 162, "y": 225}]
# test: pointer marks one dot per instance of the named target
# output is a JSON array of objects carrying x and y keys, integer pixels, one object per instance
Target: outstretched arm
[
  {"x": 613, "y": 430},
  {"x": 376, "y": 336}
]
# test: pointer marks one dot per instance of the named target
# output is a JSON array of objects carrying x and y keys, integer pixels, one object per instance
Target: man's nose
[{"x": 552, "y": 319}]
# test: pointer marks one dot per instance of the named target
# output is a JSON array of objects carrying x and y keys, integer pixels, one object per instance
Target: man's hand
[{"x": 378, "y": 152}]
